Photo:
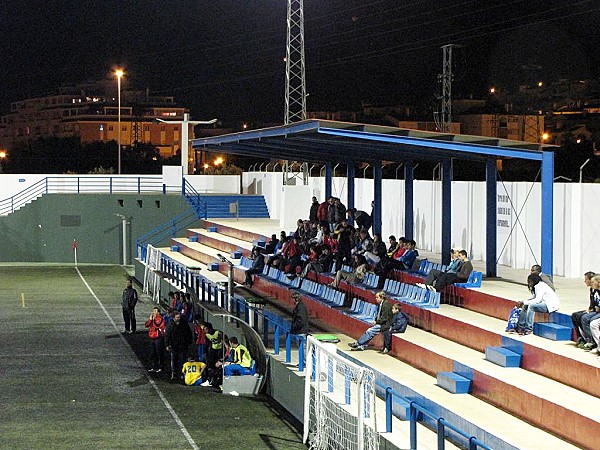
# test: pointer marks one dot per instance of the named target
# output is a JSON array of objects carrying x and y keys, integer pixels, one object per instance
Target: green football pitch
[{"x": 70, "y": 379}]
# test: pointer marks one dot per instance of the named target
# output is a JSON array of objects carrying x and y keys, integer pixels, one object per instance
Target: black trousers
[
  {"x": 249, "y": 274},
  {"x": 576, "y": 319},
  {"x": 157, "y": 352},
  {"x": 129, "y": 319}
]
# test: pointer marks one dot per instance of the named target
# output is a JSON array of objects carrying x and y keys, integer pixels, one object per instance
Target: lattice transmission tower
[
  {"x": 443, "y": 118},
  {"x": 295, "y": 84}
]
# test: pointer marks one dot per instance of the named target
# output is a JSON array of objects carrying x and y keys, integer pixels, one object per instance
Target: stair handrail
[{"x": 189, "y": 192}]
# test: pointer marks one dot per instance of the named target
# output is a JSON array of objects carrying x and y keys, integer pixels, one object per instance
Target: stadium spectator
[
  {"x": 314, "y": 207},
  {"x": 271, "y": 246},
  {"x": 318, "y": 239},
  {"x": 595, "y": 331},
  {"x": 300, "y": 322},
  {"x": 537, "y": 269},
  {"x": 331, "y": 212},
  {"x": 588, "y": 317},
  {"x": 360, "y": 269},
  {"x": 187, "y": 307},
  {"x": 379, "y": 251},
  {"x": 242, "y": 360},
  {"x": 192, "y": 372},
  {"x": 128, "y": 302},
  {"x": 258, "y": 264},
  {"x": 382, "y": 322},
  {"x": 363, "y": 243},
  {"x": 284, "y": 241},
  {"x": 322, "y": 214},
  {"x": 343, "y": 233},
  {"x": 544, "y": 300},
  {"x": 577, "y": 315},
  {"x": 398, "y": 325},
  {"x": 446, "y": 278},
  {"x": 340, "y": 210},
  {"x": 291, "y": 256},
  {"x": 362, "y": 220},
  {"x": 178, "y": 338},
  {"x": 200, "y": 338},
  {"x": 455, "y": 264},
  {"x": 322, "y": 264},
  {"x": 156, "y": 333}
]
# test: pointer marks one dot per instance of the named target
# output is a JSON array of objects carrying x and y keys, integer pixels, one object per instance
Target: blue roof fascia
[
  {"x": 300, "y": 127},
  {"x": 429, "y": 143}
]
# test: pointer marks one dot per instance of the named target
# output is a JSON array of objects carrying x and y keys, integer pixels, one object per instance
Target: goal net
[{"x": 339, "y": 401}]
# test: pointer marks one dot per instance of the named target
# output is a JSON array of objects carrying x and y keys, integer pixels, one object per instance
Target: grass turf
[{"x": 69, "y": 381}]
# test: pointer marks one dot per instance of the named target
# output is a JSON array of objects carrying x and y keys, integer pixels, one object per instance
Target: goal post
[{"x": 339, "y": 401}]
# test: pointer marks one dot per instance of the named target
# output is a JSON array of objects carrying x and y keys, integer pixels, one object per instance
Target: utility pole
[
  {"x": 443, "y": 119},
  {"x": 295, "y": 83}
]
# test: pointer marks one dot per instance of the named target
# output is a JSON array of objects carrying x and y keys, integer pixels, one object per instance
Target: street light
[{"x": 119, "y": 74}]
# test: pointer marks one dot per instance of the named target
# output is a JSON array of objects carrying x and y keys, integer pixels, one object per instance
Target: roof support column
[
  {"x": 350, "y": 175},
  {"x": 446, "y": 210},
  {"x": 409, "y": 217},
  {"x": 377, "y": 175},
  {"x": 490, "y": 217},
  {"x": 328, "y": 180},
  {"x": 547, "y": 212}
]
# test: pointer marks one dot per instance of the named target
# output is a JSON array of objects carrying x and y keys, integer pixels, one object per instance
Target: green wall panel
[{"x": 43, "y": 231}]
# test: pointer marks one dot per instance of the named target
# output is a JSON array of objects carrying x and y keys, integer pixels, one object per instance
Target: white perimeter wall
[{"x": 576, "y": 220}]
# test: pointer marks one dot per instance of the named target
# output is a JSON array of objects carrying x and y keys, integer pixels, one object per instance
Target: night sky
[{"x": 225, "y": 58}]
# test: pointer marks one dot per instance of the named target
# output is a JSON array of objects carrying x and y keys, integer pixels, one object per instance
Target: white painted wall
[
  {"x": 215, "y": 184},
  {"x": 576, "y": 219}
]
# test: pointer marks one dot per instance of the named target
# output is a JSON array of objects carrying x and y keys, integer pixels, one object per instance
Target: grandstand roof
[{"x": 318, "y": 140}]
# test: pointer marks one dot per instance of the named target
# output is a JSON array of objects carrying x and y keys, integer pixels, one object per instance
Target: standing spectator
[
  {"x": 339, "y": 211},
  {"x": 362, "y": 220},
  {"x": 178, "y": 338},
  {"x": 258, "y": 264},
  {"x": 381, "y": 323},
  {"x": 398, "y": 325},
  {"x": 331, "y": 213},
  {"x": 156, "y": 333},
  {"x": 577, "y": 315},
  {"x": 299, "y": 316},
  {"x": 128, "y": 302},
  {"x": 215, "y": 347},
  {"x": 200, "y": 337},
  {"x": 314, "y": 207},
  {"x": 537, "y": 269},
  {"x": 322, "y": 214},
  {"x": 343, "y": 233},
  {"x": 544, "y": 300},
  {"x": 446, "y": 278}
]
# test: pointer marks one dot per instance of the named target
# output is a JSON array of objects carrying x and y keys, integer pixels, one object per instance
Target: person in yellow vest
[
  {"x": 192, "y": 371},
  {"x": 242, "y": 360}
]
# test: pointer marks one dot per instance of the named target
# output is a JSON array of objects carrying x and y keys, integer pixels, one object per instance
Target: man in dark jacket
[
  {"x": 128, "y": 302},
  {"x": 178, "y": 338},
  {"x": 314, "y": 207},
  {"x": 257, "y": 267},
  {"x": 446, "y": 279},
  {"x": 299, "y": 316},
  {"x": 381, "y": 323}
]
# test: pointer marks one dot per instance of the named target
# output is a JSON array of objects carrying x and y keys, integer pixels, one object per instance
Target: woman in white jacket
[{"x": 544, "y": 300}]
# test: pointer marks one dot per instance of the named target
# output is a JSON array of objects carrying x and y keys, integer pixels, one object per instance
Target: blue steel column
[
  {"x": 547, "y": 212},
  {"x": 328, "y": 180},
  {"x": 490, "y": 217},
  {"x": 377, "y": 175},
  {"x": 409, "y": 217},
  {"x": 350, "y": 174},
  {"x": 446, "y": 210}
]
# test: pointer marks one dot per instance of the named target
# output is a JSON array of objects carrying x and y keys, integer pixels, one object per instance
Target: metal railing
[
  {"x": 85, "y": 184},
  {"x": 414, "y": 412},
  {"x": 193, "y": 197}
]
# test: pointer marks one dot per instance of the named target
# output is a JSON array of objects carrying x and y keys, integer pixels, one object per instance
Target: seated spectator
[
  {"x": 577, "y": 315},
  {"x": 394, "y": 246},
  {"x": 360, "y": 269},
  {"x": 156, "y": 333},
  {"x": 271, "y": 246},
  {"x": 537, "y": 269},
  {"x": 395, "y": 251},
  {"x": 242, "y": 360},
  {"x": 398, "y": 325},
  {"x": 276, "y": 256},
  {"x": 382, "y": 322},
  {"x": 258, "y": 264},
  {"x": 446, "y": 278},
  {"x": 314, "y": 207},
  {"x": 587, "y": 318},
  {"x": 291, "y": 256},
  {"x": 322, "y": 264},
  {"x": 379, "y": 251},
  {"x": 330, "y": 241},
  {"x": 299, "y": 229},
  {"x": 192, "y": 372},
  {"x": 363, "y": 243},
  {"x": 318, "y": 239},
  {"x": 544, "y": 300},
  {"x": 454, "y": 266},
  {"x": 595, "y": 331},
  {"x": 362, "y": 220},
  {"x": 178, "y": 338},
  {"x": 409, "y": 256}
]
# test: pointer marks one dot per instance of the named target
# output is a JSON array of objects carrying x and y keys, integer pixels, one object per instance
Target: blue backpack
[{"x": 513, "y": 319}]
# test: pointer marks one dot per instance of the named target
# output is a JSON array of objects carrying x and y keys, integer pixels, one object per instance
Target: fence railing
[
  {"x": 414, "y": 412},
  {"x": 193, "y": 197},
  {"x": 85, "y": 184}
]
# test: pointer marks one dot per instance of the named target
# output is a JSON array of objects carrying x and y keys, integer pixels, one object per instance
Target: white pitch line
[{"x": 152, "y": 383}]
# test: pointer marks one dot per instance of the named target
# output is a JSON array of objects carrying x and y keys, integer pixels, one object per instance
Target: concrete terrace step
[{"x": 221, "y": 242}]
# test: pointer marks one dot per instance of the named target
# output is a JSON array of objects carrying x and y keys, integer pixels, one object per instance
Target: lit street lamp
[{"x": 119, "y": 73}]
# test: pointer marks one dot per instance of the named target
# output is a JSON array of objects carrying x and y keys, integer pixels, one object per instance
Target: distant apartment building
[
  {"x": 517, "y": 127},
  {"x": 91, "y": 112}
]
